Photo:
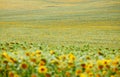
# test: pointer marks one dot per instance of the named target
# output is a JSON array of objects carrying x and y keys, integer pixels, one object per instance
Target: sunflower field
[{"x": 40, "y": 60}]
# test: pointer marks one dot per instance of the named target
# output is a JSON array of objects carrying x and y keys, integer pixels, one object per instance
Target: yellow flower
[
  {"x": 33, "y": 75},
  {"x": 100, "y": 67},
  {"x": 115, "y": 62},
  {"x": 67, "y": 74},
  {"x": 24, "y": 66},
  {"x": 100, "y": 62},
  {"x": 70, "y": 64},
  {"x": 33, "y": 60},
  {"x": 62, "y": 57},
  {"x": 103, "y": 62},
  {"x": 106, "y": 62},
  {"x": 4, "y": 54},
  {"x": 52, "y": 52},
  {"x": 77, "y": 73},
  {"x": 42, "y": 69},
  {"x": 98, "y": 75},
  {"x": 112, "y": 76},
  {"x": 56, "y": 62},
  {"x": 11, "y": 74},
  {"x": 27, "y": 53},
  {"x": 83, "y": 65},
  {"x": 88, "y": 57},
  {"x": 33, "y": 54},
  {"x": 115, "y": 69},
  {"x": 10, "y": 59},
  {"x": 104, "y": 72},
  {"x": 71, "y": 57},
  {"x": 47, "y": 75},
  {"x": 42, "y": 62},
  {"x": 89, "y": 66},
  {"x": 90, "y": 74},
  {"x": 38, "y": 52},
  {"x": 83, "y": 75},
  {"x": 87, "y": 70},
  {"x": 16, "y": 75}
]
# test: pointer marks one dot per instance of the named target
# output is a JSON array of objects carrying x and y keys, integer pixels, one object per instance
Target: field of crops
[
  {"x": 21, "y": 59},
  {"x": 93, "y": 34},
  {"x": 59, "y": 51},
  {"x": 59, "y": 38}
]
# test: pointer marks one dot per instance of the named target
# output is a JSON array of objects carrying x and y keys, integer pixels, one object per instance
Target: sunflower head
[
  {"x": 27, "y": 53},
  {"x": 67, "y": 74},
  {"x": 16, "y": 75},
  {"x": 83, "y": 75},
  {"x": 38, "y": 52},
  {"x": 11, "y": 74},
  {"x": 33, "y": 75},
  {"x": 33, "y": 60},
  {"x": 71, "y": 57},
  {"x": 42, "y": 69},
  {"x": 52, "y": 52},
  {"x": 100, "y": 67},
  {"x": 83, "y": 65},
  {"x": 42, "y": 62},
  {"x": 24, "y": 66},
  {"x": 77, "y": 73}
]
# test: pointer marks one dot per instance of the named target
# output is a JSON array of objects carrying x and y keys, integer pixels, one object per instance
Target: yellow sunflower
[
  {"x": 24, "y": 66},
  {"x": 52, "y": 52},
  {"x": 42, "y": 69},
  {"x": 77, "y": 73}
]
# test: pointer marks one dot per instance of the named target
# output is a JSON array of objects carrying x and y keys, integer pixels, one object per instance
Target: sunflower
[
  {"x": 100, "y": 67},
  {"x": 38, "y": 52},
  {"x": 83, "y": 75},
  {"x": 16, "y": 75},
  {"x": 98, "y": 75},
  {"x": 70, "y": 64},
  {"x": 4, "y": 54},
  {"x": 52, "y": 52},
  {"x": 11, "y": 74},
  {"x": 24, "y": 66},
  {"x": 115, "y": 62},
  {"x": 42, "y": 69},
  {"x": 10, "y": 59},
  {"x": 83, "y": 65},
  {"x": 104, "y": 72},
  {"x": 27, "y": 53},
  {"x": 33, "y": 75},
  {"x": 42, "y": 62},
  {"x": 77, "y": 73},
  {"x": 71, "y": 57},
  {"x": 62, "y": 57},
  {"x": 56, "y": 62},
  {"x": 33, "y": 60},
  {"x": 112, "y": 76},
  {"x": 90, "y": 74},
  {"x": 67, "y": 74}
]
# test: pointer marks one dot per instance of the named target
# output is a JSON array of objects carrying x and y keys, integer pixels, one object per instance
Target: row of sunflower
[{"x": 57, "y": 63}]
